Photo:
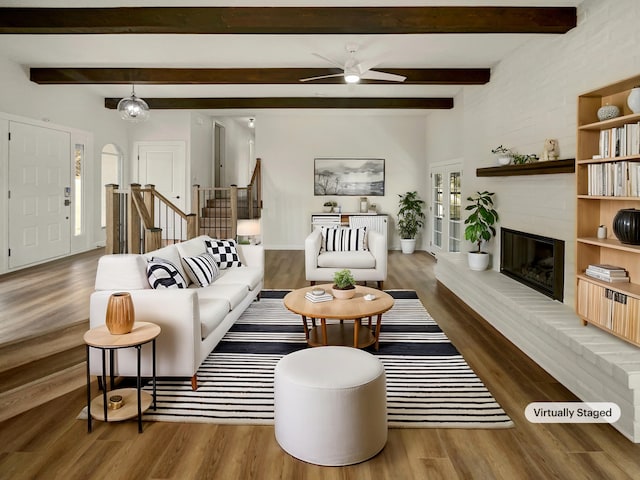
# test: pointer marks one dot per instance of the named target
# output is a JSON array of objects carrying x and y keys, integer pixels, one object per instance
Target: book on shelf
[
  {"x": 607, "y": 269},
  {"x": 614, "y": 179},
  {"x": 318, "y": 298},
  {"x": 606, "y": 278}
]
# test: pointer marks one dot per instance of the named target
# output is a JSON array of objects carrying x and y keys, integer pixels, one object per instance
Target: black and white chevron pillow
[
  {"x": 162, "y": 273},
  {"x": 202, "y": 269},
  {"x": 224, "y": 252}
]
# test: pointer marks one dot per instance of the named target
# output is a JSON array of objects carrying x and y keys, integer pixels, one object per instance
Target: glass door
[{"x": 446, "y": 201}]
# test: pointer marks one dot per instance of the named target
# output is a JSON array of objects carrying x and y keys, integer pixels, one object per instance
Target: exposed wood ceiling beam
[
  {"x": 239, "y": 76},
  {"x": 291, "y": 102},
  {"x": 287, "y": 20}
]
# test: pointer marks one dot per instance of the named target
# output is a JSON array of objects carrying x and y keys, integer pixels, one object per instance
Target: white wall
[
  {"x": 69, "y": 107},
  {"x": 288, "y": 142},
  {"x": 201, "y": 151},
  {"x": 238, "y": 165},
  {"x": 532, "y": 95}
]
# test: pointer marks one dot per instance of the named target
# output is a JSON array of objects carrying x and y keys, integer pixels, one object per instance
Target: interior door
[
  {"x": 445, "y": 206},
  {"x": 39, "y": 194},
  {"x": 163, "y": 164}
]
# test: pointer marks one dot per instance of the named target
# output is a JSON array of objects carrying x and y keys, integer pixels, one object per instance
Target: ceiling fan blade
[
  {"x": 389, "y": 77},
  {"x": 322, "y": 76},
  {"x": 332, "y": 62}
]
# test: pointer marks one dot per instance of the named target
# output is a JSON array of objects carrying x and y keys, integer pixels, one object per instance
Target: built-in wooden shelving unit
[{"x": 613, "y": 307}]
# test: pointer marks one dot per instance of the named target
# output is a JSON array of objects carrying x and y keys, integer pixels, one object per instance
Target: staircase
[{"x": 141, "y": 219}]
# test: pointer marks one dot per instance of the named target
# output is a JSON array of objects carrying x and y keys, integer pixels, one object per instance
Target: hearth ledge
[{"x": 595, "y": 366}]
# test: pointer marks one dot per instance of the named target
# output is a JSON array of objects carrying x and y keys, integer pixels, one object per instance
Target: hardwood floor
[{"x": 49, "y": 442}]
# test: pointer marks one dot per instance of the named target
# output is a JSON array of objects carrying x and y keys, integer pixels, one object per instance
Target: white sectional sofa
[{"x": 193, "y": 320}]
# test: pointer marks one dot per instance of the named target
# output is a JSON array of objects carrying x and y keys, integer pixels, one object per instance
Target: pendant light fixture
[{"x": 133, "y": 109}]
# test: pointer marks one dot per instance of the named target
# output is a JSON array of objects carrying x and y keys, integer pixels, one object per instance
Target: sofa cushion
[
  {"x": 346, "y": 260},
  {"x": 164, "y": 274},
  {"x": 212, "y": 312},
  {"x": 122, "y": 272},
  {"x": 339, "y": 239},
  {"x": 193, "y": 247},
  {"x": 234, "y": 294},
  {"x": 249, "y": 276},
  {"x": 224, "y": 251},
  {"x": 202, "y": 269}
]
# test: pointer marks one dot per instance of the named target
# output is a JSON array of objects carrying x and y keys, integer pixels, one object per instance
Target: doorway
[
  {"x": 40, "y": 194},
  {"x": 446, "y": 201}
]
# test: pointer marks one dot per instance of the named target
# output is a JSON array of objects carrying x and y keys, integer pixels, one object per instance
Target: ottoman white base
[{"x": 330, "y": 405}]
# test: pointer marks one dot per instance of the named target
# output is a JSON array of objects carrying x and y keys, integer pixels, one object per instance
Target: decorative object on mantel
[
  {"x": 633, "y": 100},
  {"x": 521, "y": 159},
  {"x": 364, "y": 205},
  {"x": 344, "y": 285},
  {"x": 120, "y": 314},
  {"x": 626, "y": 226},
  {"x": 479, "y": 227},
  {"x": 410, "y": 220},
  {"x": 503, "y": 155},
  {"x": 550, "y": 151}
]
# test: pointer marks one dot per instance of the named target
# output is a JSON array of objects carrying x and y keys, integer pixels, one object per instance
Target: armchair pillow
[
  {"x": 224, "y": 252},
  {"x": 202, "y": 269},
  {"x": 162, "y": 273},
  {"x": 340, "y": 239}
]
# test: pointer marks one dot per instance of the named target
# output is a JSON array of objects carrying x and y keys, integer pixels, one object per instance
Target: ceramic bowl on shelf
[{"x": 607, "y": 112}]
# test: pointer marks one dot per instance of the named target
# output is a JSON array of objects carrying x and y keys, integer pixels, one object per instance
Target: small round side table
[{"x": 101, "y": 339}]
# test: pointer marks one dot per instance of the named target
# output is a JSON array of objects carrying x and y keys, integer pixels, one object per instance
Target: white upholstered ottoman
[{"x": 330, "y": 405}]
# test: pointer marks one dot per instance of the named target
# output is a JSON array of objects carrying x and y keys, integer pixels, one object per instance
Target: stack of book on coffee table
[
  {"x": 318, "y": 297},
  {"x": 607, "y": 273}
]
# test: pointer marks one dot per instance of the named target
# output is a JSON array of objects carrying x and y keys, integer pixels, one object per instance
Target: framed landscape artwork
[{"x": 348, "y": 176}]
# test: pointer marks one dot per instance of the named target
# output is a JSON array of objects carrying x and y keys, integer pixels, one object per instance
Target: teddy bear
[{"x": 550, "y": 151}]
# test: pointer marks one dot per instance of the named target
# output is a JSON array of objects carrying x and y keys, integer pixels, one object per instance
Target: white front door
[{"x": 39, "y": 194}]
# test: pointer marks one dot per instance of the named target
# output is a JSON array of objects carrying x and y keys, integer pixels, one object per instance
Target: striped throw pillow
[
  {"x": 338, "y": 239},
  {"x": 202, "y": 269},
  {"x": 162, "y": 273}
]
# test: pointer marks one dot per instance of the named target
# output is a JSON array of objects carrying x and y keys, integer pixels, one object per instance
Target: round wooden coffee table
[{"x": 356, "y": 308}]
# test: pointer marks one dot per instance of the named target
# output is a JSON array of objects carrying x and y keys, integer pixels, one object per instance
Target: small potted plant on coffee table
[{"x": 344, "y": 285}]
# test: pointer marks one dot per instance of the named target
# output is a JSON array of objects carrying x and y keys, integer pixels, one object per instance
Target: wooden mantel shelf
[{"x": 538, "y": 168}]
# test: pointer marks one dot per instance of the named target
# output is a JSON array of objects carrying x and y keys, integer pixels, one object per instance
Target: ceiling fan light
[
  {"x": 133, "y": 109},
  {"x": 351, "y": 77}
]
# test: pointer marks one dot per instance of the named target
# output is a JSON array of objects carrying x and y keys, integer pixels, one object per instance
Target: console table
[
  {"x": 102, "y": 339},
  {"x": 373, "y": 221}
]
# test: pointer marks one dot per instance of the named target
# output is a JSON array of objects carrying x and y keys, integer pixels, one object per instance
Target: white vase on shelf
[{"x": 633, "y": 100}]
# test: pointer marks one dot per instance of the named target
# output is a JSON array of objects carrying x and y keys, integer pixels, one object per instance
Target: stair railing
[{"x": 142, "y": 219}]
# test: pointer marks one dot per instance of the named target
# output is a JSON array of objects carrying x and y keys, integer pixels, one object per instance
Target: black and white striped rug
[{"x": 429, "y": 384}]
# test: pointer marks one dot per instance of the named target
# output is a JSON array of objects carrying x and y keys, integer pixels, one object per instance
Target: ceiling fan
[{"x": 353, "y": 70}]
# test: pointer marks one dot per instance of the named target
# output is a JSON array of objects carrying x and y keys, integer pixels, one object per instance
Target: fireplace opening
[{"x": 533, "y": 260}]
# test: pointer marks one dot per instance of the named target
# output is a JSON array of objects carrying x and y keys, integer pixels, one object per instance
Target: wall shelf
[{"x": 538, "y": 168}]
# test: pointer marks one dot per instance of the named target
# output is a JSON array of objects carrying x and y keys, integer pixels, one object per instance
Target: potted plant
[
  {"x": 479, "y": 227},
  {"x": 503, "y": 155},
  {"x": 344, "y": 285},
  {"x": 328, "y": 206},
  {"x": 410, "y": 220}
]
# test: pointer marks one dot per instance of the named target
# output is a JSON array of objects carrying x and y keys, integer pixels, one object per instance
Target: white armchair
[{"x": 367, "y": 265}]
